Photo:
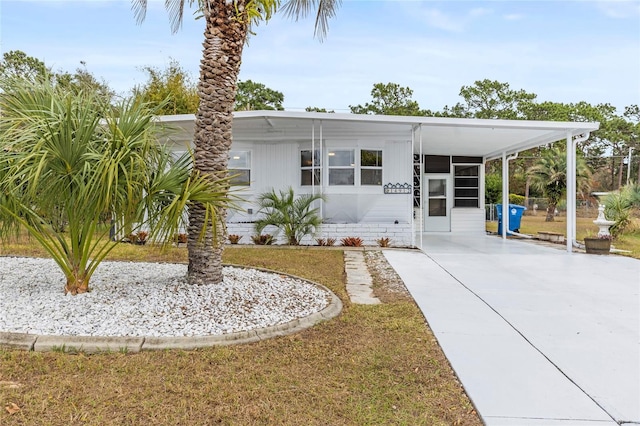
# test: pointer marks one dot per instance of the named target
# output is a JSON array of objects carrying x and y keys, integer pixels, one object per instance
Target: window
[
  {"x": 310, "y": 167},
  {"x": 342, "y": 167},
  {"x": 240, "y": 168},
  {"x": 466, "y": 186},
  {"x": 370, "y": 167}
]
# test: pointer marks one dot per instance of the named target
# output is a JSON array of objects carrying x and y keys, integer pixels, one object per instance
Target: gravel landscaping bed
[{"x": 148, "y": 299}]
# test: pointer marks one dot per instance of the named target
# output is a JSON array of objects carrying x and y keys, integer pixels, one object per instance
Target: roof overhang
[{"x": 431, "y": 135}]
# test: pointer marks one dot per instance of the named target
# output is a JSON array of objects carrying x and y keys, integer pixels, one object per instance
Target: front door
[{"x": 437, "y": 206}]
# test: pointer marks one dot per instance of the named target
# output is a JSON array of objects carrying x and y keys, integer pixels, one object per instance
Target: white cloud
[
  {"x": 619, "y": 9},
  {"x": 436, "y": 19},
  {"x": 513, "y": 17}
]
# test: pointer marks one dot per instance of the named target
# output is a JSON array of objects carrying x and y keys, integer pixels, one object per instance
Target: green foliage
[
  {"x": 67, "y": 156},
  {"x": 619, "y": 207},
  {"x": 549, "y": 175},
  {"x": 389, "y": 99},
  {"x": 171, "y": 91},
  {"x": 493, "y": 188},
  {"x": 262, "y": 239},
  {"x": 16, "y": 64},
  {"x": 516, "y": 199},
  {"x": 295, "y": 216},
  {"x": 253, "y": 96},
  {"x": 490, "y": 99},
  {"x": 316, "y": 109}
]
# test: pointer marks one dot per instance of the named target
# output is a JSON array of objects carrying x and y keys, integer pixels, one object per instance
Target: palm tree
[
  {"x": 295, "y": 216},
  {"x": 549, "y": 175},
  {"x": 69, "y": 157},
  {"x": 228, "y": 22}
]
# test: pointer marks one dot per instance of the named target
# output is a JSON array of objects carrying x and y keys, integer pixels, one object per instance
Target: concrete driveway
[{"x": 536, "y": 335}]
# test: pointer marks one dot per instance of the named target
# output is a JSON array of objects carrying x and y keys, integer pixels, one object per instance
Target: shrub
[
  {"x": 516, "y": 199},
  {"x": 262, "y": 239},
  {"x": 234, "y": 238},
  {"x": 141, "y": 237},
  {"x": 384, "y": 242},
  {"x": 352, "y": 242},
  {"x": 295, "y": 216},
  {"x": 321, "y": 242},
  {"x": 331, "y": 241}
]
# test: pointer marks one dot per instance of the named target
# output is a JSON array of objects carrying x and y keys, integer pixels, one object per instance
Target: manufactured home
[{"x": 382, "y": 176}]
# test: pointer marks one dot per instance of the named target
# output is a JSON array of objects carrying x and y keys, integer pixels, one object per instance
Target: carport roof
[{"x": 439, "y": 136}]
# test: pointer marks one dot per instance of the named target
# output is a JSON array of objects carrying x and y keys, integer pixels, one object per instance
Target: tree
[
  {"x": 227, "y": 24},
  {"x": 295, "y": 216},
  {"x": 389, "y": 99},
  {"x": 317, "y": 109},
  {"x": 549, "y": 175},
  {"x": 256, "y": 96},
  {"x": 170, "y": 89},
  {"x": 16, "y": 64},
  {"x": 72, "y": 157},
  {"x": 490, "y": 99}
]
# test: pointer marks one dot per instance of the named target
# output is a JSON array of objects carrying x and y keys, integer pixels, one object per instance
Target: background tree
[
  {"x": 227, "y": 24},
  {"x": 74, "y": 156},
  {"x": 389, "y": 99},
  {"x": 253, "y": 96},
  {"x": 16, "y": 64},
  {"x": 316, "y": 109},
  {"x": 549, "y": 175},
  {"x": 490, "y": 99},
  {"x": 171, "y": 90}
]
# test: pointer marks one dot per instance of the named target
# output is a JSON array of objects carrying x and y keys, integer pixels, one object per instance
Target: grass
[
  {"x": 584, "y": 227},
  {"x": 372, "y": 365}
]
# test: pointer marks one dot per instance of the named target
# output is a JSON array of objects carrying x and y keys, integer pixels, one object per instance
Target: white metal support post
[
  {"x": 505, "y": 195},
  {"x": 571, "y": 191}
]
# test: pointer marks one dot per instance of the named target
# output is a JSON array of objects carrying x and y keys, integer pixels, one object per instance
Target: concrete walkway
[
  {"x": 359, "y": 281},
  {"x": 537, "y": 336}
]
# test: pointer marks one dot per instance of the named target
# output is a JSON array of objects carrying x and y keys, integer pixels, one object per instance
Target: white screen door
[{"x": 437, "y": 203}]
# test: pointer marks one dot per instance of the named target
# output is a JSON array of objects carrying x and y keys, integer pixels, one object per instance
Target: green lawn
[{"x": 371, "y": 365}]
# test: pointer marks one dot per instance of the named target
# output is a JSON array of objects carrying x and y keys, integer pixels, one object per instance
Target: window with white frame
[
  {"x": 310, "y": 167},
  {"x": 370, "y": 167},
  {"x": 240, "y": 168},
  {"x": 342, "y": 167}
]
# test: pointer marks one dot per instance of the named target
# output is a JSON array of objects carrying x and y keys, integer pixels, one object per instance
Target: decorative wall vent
[{"x": 398, "y": 188}]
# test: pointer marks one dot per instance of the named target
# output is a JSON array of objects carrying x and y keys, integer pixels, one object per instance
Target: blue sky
[{"x": 564, "y": 51}]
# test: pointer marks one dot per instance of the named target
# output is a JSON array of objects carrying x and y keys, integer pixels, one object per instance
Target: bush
[
  {"x": 384, "y": 242},
  {"x": 295, "y": 216},
  {"x": 234, "y": 239},
  {"x": 352, "y": 242},
  {"x": 516, "y": 199},
  {"x": 262, "y": 239}
]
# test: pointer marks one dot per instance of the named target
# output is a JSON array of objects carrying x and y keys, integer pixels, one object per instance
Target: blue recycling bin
[{"x": 515, "y": 216}]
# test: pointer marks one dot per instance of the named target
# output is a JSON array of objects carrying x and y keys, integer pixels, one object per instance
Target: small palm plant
[
  {"x": 295, "y": 216},
  {"x": 74, "y": 158}
]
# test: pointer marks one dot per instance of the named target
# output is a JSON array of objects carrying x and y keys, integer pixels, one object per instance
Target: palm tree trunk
[
  {"x": 76, "y": 284},
  {"x": 225, "y": 36},
  {"x": 551, "y": 212}
]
